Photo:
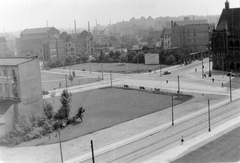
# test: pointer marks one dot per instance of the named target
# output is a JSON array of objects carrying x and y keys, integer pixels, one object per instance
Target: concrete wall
[{"x": 31, "y": 88}]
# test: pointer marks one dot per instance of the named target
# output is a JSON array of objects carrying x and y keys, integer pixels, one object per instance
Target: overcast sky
[{"x": 20, "y": 14}]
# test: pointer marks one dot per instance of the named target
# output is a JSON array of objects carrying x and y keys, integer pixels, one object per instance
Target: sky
[{"x": 18, "y": 15}]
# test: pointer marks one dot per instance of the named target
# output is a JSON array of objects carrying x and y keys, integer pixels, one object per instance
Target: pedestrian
[
  {"x": 212, "y": 79},
  {"x": 167, "y": 81},
  {"x": 60, "y": 85},
  {"x": 182, "y": 140},
  {"x": 222, "y": 84},
  {"x": 73, "y": 73},
  {"x": 196, "y": 69}
]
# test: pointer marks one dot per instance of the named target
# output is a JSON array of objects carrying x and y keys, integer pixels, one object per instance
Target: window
[
  {"x": 5, "y": 72},
  {"x": 0, "y": 87},
  {"x": 6, "y": 87},
  {"x": 13, "y": 72}
]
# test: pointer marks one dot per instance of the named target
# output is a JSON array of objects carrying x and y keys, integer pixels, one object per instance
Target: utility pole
[
  {"x": 160, "y": 65},
  {"x": 138, "y": 63},
  {"x": 111, "y": 78},
  {"x": 178, "y": 85},
  {"x": 66, "y": 82},
  {"x": 92, "y": 151},
  {"x": 60, "y": 145},
  {"x": 172, "y": 112},
  {"x": 230, "y": 87},
  {"x": 202, "y": 68},
  {"x": 209, "y": 123}
]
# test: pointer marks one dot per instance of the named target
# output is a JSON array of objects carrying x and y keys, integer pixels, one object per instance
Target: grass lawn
[
  {"x": 224, "y": 149},
  {"x": 105, "y": 108},
  {"x": 51, "y": 80},
  {"x": 116, "y": 67}
]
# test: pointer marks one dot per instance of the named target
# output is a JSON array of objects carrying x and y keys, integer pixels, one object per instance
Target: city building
[
  {"x": 192, "y": 36},
  {"x": 31, "y": 40},
  {"x": 20, "y": 90},
  {"x": 166, "y": 38},
  {"x": 187, "y": 21},
  {"x": 226, "y": 40}
]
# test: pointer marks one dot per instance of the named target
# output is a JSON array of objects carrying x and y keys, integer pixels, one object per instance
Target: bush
[{"x": 48, "y": 110}]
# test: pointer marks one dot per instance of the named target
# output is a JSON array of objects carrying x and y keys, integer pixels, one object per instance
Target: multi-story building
[
  {"x": 166, "y": 38},
  {"x": 53, "y": 49},
  {"x": 192, "y": 36},
  {"x": 31, "y": 40},
  {"x": 187, "y": 21},
  {"x": 226, "y": 40},
  {"x": 20, "y": 90}
]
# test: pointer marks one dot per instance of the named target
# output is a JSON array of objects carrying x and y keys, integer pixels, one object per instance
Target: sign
[{"x": 151, "y": 59}]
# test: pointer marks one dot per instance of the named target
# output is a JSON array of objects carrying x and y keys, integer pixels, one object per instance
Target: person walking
[{"x": 182, "y": 140}]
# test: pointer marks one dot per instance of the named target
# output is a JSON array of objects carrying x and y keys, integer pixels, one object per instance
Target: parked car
[
  {"x": 230, "y": 73},
  {"x": 45, "y": 92},
  {"x": 166, "y": 73}
]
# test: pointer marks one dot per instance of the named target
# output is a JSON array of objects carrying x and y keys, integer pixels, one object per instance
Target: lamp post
[
  {"x": 93, "y": 160},
  {"x": 230, "y": 87},
  {"x": 178, "y": 85},
  {"x": 209, "y": 123},
  {"x": 209, "y": 55},
  {"x": 111, "y": 78},
  {"x": 60, "y": 143},
  {"x": 160, "y": 65},
  {"x": 172, "y": 112},
  {"x": 202, "y": 67}
]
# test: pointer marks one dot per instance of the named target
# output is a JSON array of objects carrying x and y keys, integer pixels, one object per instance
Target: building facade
[
  {"x": 31, "y": 40},
  {"x": 20, "y": 90},
  {"x": 192, "y": 36},
  {"x": 226, "y": 40},
  {"x": 166, "y": 38}
]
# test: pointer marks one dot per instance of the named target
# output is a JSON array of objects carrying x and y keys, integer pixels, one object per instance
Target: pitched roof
[
  {"x": 231, "y": 17},
  {"x": 166, "y": 31},
  {"x": 36, "y": 31},
  {"x": 13, "y": 61}
]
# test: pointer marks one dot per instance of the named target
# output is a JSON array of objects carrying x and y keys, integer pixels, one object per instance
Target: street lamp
[
  {"x": 209, "y": 55},
  {"x": 60, "y": 143},
  {"x": 178, "y": 85},
  {"x": 230, "y": 87},
  {"x": 209, "y": 127},
  {"x": 172, "y": 112}
]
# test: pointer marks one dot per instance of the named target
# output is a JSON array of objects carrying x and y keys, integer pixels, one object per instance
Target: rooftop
[
  {"x": 36, "y": 31},
  {"x": 13, "y": 61}
]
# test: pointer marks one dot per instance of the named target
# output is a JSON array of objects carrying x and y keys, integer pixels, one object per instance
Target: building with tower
[{"x": 226, "y": 40}]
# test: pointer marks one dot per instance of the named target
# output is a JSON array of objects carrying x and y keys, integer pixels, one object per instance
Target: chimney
[
  {"x": 88, "y": 27},
  {"x": 171, "y": 23},
  {"x": 75, "y": 26},
  {"x": 226, "y": 5}
]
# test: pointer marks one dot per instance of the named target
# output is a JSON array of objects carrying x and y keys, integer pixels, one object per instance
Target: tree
[
  {"x": 170, "y": 59},
  {"x": 65, "y": 99},
  {"x": 48, "y": 110}
]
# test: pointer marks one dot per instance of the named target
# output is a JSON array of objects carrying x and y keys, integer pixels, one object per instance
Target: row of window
[{"x": 4, "y": 73}]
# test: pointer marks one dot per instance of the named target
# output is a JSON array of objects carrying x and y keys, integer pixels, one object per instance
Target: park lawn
[
  {"x": 224, "y": 149},
  {"x": 51, "y": 80},
  {"x": 116, "y": 67},
  {"x": 106, "y": 107}
]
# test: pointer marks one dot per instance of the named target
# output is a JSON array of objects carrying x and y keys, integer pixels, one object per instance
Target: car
[
  {"x": 166, "y": 73},
  {"x": 230, "y": 73},
  {"x": 45, "y": 92}
]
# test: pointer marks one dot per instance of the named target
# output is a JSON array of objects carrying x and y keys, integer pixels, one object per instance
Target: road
[{"x": 189, "y": 81}]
